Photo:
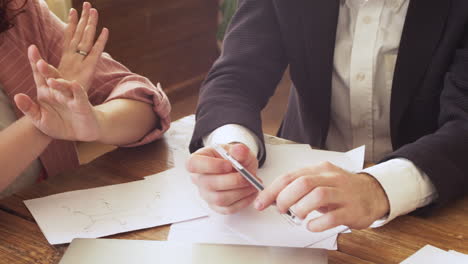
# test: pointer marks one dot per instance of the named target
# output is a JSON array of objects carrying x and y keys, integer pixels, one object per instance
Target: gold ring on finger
[{"x": 81, "y": 52}]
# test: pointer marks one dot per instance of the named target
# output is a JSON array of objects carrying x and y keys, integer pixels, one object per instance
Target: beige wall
[{"x": 60, "y": 8}]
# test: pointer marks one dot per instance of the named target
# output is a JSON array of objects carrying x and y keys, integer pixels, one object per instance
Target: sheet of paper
[
  {"x": 459, "y": 255},
  {"x": 165, "y": 199},
  {"x": 283, "y": 159},
  {"x": 433, "y": 255},
  {"x": 110, "y": 251},
  {"x": 202, "y": 230},
  {"x": 268, "y": 227},
  {"x": 178, "y": 138}
]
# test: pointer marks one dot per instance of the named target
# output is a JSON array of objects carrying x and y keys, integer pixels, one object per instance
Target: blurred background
[{"x": 173, "y": 42}]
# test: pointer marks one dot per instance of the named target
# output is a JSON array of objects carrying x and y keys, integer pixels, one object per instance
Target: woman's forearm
[
  {"x": 20, "y": 144},
  {"x": 125, "y": 121}
]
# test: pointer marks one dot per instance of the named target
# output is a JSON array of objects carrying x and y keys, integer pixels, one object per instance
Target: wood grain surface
[{"x": 21, "y": 240}]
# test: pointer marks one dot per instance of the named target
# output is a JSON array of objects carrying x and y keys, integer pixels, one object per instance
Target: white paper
[
  {"x": 202, "y": 230},
  {"x": 165, "y": 199},
  {"x": 283, "y": 159},
  {"x": 433, "y": 255},
  {"x": 110, "y": 251},
  {"x": 459, "y": 255},
  {"x": 330, "y": 243},
  {"x": 178, "y": 138},
  {"x": 268, "y": 228}
]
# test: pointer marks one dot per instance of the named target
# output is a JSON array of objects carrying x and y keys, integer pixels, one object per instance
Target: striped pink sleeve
[{"x": 112, "y": 80}]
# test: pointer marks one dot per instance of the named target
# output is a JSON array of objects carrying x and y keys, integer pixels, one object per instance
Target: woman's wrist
[
  {"x": 38, "y": 134},
  {"x": 102, "y": 126}
]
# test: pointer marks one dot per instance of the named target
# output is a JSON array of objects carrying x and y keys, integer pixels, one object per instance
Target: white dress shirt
[
  {"x": 30, "y": 175},
  {"x": 366, "y": 49}
]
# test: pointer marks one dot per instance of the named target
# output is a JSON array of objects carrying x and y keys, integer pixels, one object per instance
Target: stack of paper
[
  {"x": 268, "y": 228},
  {"x": 433, "y": 255}
]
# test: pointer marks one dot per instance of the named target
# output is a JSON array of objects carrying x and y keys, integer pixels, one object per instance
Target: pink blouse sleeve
[{"x": 112, "y": 80}]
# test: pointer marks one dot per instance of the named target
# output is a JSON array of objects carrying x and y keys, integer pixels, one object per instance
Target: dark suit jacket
[{"x": 429, "y": 104}]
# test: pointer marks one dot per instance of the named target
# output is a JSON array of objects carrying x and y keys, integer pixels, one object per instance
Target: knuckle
[
  {"x": 225, "y": 210},
  {"x": 304, "y": 182},
  {"x": 326, "y": 165},
  {"x": 320, "y": 193},
  {"x": 287, "y": 179},
  {"x": 301, "y": 210},
  {"x": 219, "y": 199},
  {"x": 238, "y": 180},
  {"x": 281, "y": 203},
  {"x": 341, "y": 178},
  {"x": 189, "y": 165},
  {"x": 220, "y": 210},
  {"x": 333, "y": 220},
  {"x": 209, "y": 185}
]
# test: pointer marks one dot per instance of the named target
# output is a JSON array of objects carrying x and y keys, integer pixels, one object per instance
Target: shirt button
[
  {"x": 367, "y": 20},
  {"x": 360, "y": 77}
]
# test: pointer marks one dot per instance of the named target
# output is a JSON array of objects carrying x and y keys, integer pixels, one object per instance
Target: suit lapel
[
  {"x": 319, "y": 21},
  {"x": 424, "y": 25}
]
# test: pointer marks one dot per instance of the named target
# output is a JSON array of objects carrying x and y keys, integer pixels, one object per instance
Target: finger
[
  {"x": 247, "y": 158},
  {"x": 99, "y": 46},
  {"x": 199, "y": 163},
  {"x": 226, "y": 198},
  {"x": 327, "y": 221},
  {"x": 81, "y": 26},
  {"x": 70, "y": 29},
  {"x": 221, "y": 182},
  {"x": 236, "y": 207},
  {"x": 47, "y": 70},
  {"x": 324, "y": 169},
  {"x": 79, "y": 93},
  {"x": 34, "y": 56},
  {"x": 321, "y": 197},
  {"x": 269, "y": 195},
  {"x": 241, "y": 153},
  {"x": 62, "y": 86},
  {"x": 297, "y": 189},
  {"x": 89, "y": 34},
  {"x": 29, "y": 108}
]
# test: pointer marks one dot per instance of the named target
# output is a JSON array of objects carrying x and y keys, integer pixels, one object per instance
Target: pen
[{"x": 289, "y": 215}]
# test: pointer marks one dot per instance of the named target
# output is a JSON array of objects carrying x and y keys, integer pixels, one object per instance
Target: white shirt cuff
[
  {"x": 406, "y": 186},
  {"x": 235, "y": 133}
]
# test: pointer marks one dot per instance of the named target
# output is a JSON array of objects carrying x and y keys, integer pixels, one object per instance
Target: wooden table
[{"x": 21, "y": 241}]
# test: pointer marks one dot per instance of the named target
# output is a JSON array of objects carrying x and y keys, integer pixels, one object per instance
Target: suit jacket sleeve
[
  {"x": 443, "y": 155},
  {"x": 245, "y": 75}
]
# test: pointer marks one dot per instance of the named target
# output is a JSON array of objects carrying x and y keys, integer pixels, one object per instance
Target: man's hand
[
  {"x": 223, "y": 188},
  {"x": 354, "y": 200}
]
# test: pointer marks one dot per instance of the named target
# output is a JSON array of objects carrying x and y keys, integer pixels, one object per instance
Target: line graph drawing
[
  {"x": 108, "y": 213},
  {"x": 96, "y": 212}
]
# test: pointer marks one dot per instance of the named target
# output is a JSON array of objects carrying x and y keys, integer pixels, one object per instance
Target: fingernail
[{"x": 258, "y": 205}]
